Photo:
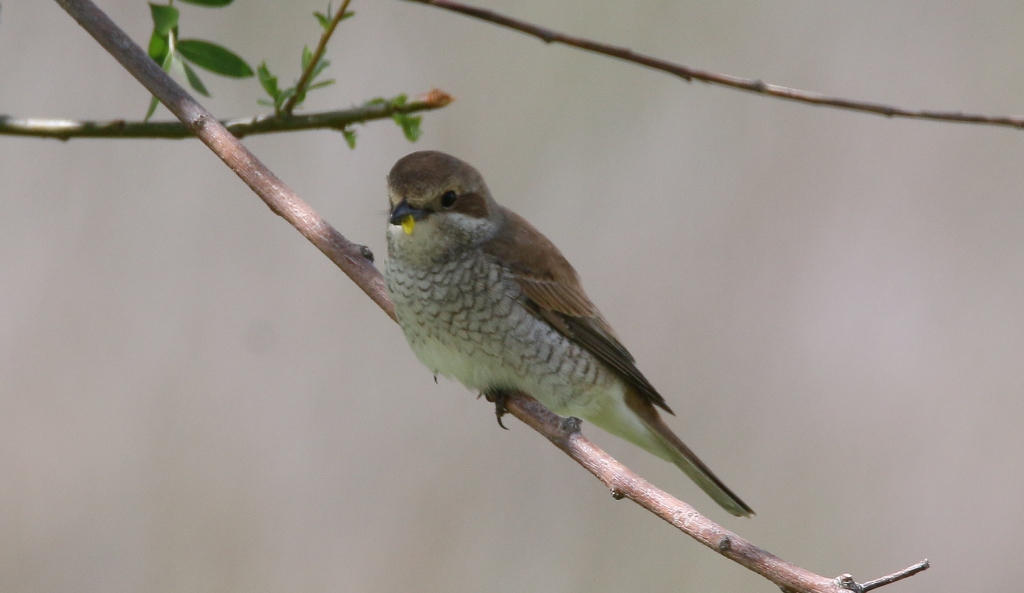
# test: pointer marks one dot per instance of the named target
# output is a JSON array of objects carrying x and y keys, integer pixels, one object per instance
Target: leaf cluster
[
  {"x": 171, "y": 52},
  {"x": 286, "y": 99},
  {"x": 409, "y": 123},
  {"x": 174, "y": 53},
  {"x": 280, "y": 96}
]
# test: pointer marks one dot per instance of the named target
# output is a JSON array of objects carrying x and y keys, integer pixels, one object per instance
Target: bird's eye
[{"x": 448, "y": 199}]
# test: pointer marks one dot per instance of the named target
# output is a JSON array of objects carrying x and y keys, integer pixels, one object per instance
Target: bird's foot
[{"x": 498, "y": 398}]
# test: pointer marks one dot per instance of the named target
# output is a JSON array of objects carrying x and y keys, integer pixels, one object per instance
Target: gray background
[{"x": 192, "y": 398}]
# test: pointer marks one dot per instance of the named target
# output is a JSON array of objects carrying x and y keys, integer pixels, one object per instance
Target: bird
[{"x": 483, "y": 297}]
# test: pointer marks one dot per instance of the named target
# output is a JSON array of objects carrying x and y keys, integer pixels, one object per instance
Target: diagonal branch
[
  {"x": 564, "y": 433},
  {"x": 354, "y": 261},
  {"x": 63, "y": 129},
  {"x": 744, "y": 84}
]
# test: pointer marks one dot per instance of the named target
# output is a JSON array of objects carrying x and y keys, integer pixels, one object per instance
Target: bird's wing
[{"x": 553, "y": 292}]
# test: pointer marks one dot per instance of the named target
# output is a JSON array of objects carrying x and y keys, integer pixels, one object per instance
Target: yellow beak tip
[{"x": 408, "y": 224}]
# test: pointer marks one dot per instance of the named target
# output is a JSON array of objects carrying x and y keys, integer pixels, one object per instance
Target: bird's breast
[
  {"x": 464, "y": 319},
  {"x": 455, "y": 314}
]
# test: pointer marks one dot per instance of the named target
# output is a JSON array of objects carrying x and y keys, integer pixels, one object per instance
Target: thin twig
[
  {"x": 63, "y": 129},
  {"x": 564, "y": 433},
  {"x": 321, "y": 47},
  {"x": 896, "y": 576},
  {"x": 746, "y": 84}
]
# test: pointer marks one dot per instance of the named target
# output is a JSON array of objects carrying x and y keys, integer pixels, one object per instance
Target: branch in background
[
  {"x": 745, "y": 84},
  {"x": 311, "y": 67},
  {"x": 63, "y": 129},
  {"x": 352, "y": 259}
]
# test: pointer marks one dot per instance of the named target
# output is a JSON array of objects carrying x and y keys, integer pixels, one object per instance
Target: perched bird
[{"x": 483, "y": 297}]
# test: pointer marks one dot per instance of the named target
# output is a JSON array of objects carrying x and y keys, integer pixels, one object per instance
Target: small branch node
[
  {"x": 725, "y": 544},
  {"x": 198, "y": 123},
  {"x": 366, "y": 253},
  {"x": 618, "y": 494},
  {"x": 571, "y": 425},
  {"x": 845, "y": 581}
]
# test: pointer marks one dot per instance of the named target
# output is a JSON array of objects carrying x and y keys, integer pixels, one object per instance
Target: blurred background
[{"x": 192, "y": 398}]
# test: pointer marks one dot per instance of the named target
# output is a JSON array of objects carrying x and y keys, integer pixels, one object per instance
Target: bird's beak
[{"x": 405, "y": 215}]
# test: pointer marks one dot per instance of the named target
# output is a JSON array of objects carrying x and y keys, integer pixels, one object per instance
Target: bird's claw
[{"x": 498, "y": 398}]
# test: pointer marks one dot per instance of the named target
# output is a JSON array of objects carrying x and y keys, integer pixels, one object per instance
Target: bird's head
[{"x": 439, "y": 206}]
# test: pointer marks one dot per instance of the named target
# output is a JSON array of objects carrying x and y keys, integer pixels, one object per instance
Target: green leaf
[
  {"x": 321, "y": 84},
  {"x": 307, "y": 56},
  {"x": 153, "y": 102},
  {"x": 165, "y": 18},
  {"x": 268, "y": 81},
  {"x": 398, "y": 101},
  {"x": 410, "y": 125},
  {"x": 350, "y": 137},
  {"x": 286, "y": 94},
  {"x": 323, "y": 19},
  {"x": 159, "y": 45},
  {"x": 213, "y": 3},
  {"x": 193, "y": 80},
  {"x": 213, "y": 57},
  {"x": 320, "y": 66},
  {"x": 347, "y": 15},
  {"x": 282, "y": 97}
]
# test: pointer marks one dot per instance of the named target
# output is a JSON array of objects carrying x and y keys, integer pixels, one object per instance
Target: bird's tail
[{"x": 650, "y": 432}]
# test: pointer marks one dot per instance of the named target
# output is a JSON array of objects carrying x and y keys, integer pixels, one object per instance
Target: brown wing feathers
[{"x": 554, "y": 291}]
